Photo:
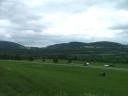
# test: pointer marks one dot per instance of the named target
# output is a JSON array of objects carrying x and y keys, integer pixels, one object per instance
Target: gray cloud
[
  {"x": 122, "y": 33},
  {"x": 20, "y": 16},
  {"x": 123, "y": 4},
  {"x": 21, "y": 19},
  {"x": 27, "y": 26},
  {"x": 74, "y": 6},
  {"x": 120, "y": 27}
]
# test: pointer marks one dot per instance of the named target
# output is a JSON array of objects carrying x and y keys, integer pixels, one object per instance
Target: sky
[{"x": 45, "y": 22}]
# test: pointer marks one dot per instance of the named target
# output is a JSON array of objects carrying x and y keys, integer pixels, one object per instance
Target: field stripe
[
  {"x": 73, "y": 65},
  {"x": 90, "y": 66}
]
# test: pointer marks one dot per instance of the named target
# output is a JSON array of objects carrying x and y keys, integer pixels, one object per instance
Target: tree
[
  {"x": 17, "y": 57},
  {"x": 55, "y": 60},
  {"x": 69, "y": 60},
  {"x": 43, "y": 59},
  {"x": 31, "y": 58}
]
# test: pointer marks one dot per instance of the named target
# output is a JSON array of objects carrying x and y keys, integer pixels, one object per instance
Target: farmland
[{"x": 25, "y": 78}]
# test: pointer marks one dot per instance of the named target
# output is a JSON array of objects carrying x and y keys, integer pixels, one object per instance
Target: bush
[
  {"x": 55, "y": 61},
  {"x": 31, "y": 59}
]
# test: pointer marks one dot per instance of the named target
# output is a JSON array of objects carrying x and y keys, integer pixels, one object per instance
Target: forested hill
[
  {"x": 6, "y": 45},
  {"x": 80, "y": 45},
  {"x": 98, "y": 51}
]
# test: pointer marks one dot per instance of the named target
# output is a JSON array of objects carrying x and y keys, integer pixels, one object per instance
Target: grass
[
  {"x": 24, "y": 78},
  {"x": 117, "y": 65}
]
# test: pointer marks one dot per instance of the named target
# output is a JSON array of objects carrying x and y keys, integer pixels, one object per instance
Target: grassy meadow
[{"x": 37, "y": 78}]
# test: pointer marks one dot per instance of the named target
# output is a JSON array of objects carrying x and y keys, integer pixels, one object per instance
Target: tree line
[{"x": 69, "y": 58}]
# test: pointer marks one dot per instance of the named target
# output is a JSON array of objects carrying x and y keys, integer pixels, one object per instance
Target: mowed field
[{"x": 25, "y": 78}]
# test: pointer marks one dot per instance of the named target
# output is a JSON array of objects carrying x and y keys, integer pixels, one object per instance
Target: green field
[{"x": 24, "y": 78}]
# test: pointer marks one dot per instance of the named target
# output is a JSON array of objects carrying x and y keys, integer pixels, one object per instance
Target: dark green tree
[
  {"x": 55, "y": 60},
  {"x": 43, "y": 59},
  {"x": 31, "y": 58},
  {"x": 69, "y": 60}
]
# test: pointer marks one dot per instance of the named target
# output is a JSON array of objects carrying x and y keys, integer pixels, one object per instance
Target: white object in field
[
  {"x": 87, "y": 63},
  {"x": 106, "y": 65}
]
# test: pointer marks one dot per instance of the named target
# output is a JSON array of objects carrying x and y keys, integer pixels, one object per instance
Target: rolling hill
[
  {"x": 91, "y": 51},
  {"x": 10, "y": 45},
  {"x": 81, "y": 45}
]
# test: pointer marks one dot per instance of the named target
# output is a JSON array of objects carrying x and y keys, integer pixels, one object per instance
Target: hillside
[
  {"x": 11, "y": 48},
  {"x": 80, "y": 45},
  {"x": 65, "y": 46},
  {"x": 6, "y": 45},
  {"x": 95, "y": 51}
]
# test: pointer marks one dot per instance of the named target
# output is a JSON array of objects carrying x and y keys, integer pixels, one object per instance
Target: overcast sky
[{"x": 45, "y": 22}]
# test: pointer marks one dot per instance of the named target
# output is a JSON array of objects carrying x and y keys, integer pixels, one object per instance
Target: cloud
[
  {"x": 16, "y": 18},
  {"x": 123, "y": 4},
  {"x": 45, "y": 22},
  {"x": 120, "y": 27}
]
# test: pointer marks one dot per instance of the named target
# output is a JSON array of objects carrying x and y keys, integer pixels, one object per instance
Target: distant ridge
[
  {"x": 81, "y": 45},
  {"x": 7, "y": 45},
  {"x": 70, "y": 44},
  {"x": 96, "y": 51},
  {"x": 10, "y": 45}
]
